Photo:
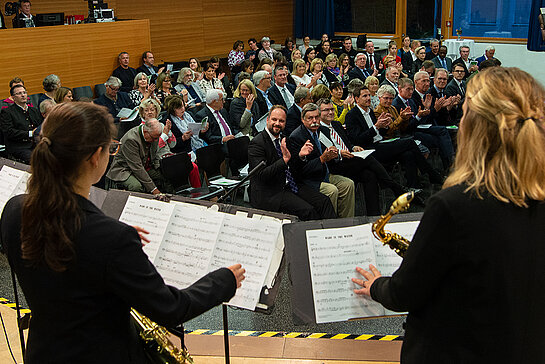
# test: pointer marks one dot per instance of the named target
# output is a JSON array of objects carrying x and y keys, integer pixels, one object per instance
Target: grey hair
[
  {"x": 386, "y": 89},
  {"x": 51, "y": 82},
  {"x": 152, "y": 125},
  {"x": 47, "y": 105},
  {"x": 360, "y": 54},
  {"x": 258, "y": 76},
  {"x": 213, "y": 95},
  {"x": 308, "y": 108},
  {"x": 490, "y": 48},
  {"x": 390, "y": 69},
  {"x": 138, "y": 77},
  {"x": 300, "y": 94},
  {"x": 434, "y": 41},
  {"x": 461, "y": 47},
  {"x": 113, "y": 82},
  {"x": 356, "y": 82},
  {"x": 418, "y": 75},
  {"x": 183, "y": 72},
  {"x": 147, "y": 103},
  {"x": 437, "y": 70}
]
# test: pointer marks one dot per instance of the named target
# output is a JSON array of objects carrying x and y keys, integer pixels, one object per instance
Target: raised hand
[
  {"x": 306, "y": 149},
  {"x": 168, "y": 125},
  {"x": 286, "y": 155}
]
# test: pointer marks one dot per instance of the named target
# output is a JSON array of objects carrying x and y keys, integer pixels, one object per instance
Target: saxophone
[
  {"x": 157, "y": 344},
  {"x": 395, "y": 241}
]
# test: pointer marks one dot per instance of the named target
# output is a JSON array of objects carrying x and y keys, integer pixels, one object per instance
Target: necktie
[
  {"x": 289, "y": 176},
  {"x": 223, "y": 123},
  {"x": 370, "y": 58},
  {"x": 335, "y": 136},
  {"x": 319, "y": 145},
  {"x": 286, "y": 97},
  {"x": 444, "y": 62},
  {"x": 462, "y": 88}
]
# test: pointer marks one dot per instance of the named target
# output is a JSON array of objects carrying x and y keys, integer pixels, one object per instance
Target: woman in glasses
[{"x": 79, "y": 269}]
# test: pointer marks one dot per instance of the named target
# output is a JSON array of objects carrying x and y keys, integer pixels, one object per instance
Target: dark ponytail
[{"x": 51, "y": 217}]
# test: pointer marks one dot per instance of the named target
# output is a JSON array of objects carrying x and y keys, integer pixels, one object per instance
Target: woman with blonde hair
[
  {"x": 372, "y": 85},
  {"x": 317, "y": 71},
  {"x": 244, "y": 110},
  {"x": 300, "y": 76},
  {"x": 472, "y": 277}
]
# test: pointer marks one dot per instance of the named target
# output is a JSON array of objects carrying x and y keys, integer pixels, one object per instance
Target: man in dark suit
[
  {"x": 392, "y": 76},
  {"x": 136, "y": 165},
  {"x": 262, "y": 82},
  {"x": 409, "y": 57},
  {"x": 148, "y": 66},
  {"x": 443, "y": 107},
  {"x": 364, "y": 129},
  {"x": 373, "y": 59},
  {"x": 18, "y": 123},
  {"x": 220, "y": 129},
  {"x": 313, "y": 170},
  {"x": 24, "y": 19},
  {"x": 125, "y": 73},
  {"x": 488, "y": 54},
  {"x": 113, "y": 99},
  {"x": 434, "y": 50},
  {"x": 274, "y": 188},
  {"x": 465, "y": 62},
  {"x": 301, "y": 97},
  {"x": 348, "y": 49},
  {"x": 431, "y": 136},
  {"x": 457, "y": 87},
  {"x": 359, "y": 71},
  {"x": 369, "y": 172},
  {"x": 281, "y": 93},
  {"x": 442, "y": 61}
]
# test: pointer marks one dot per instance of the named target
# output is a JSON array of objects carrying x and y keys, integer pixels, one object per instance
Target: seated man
[
  {"x": 25, "y": 19},
  {"x": 196, "y": 95},
  {"x": 113, "y": 99},
  {"x": 488, "y": 54},
  {"x": 348, "y": 50},
  {"x": 434, "y": 50},
  {"x": 273, "y": 188},
  {"x": 443, "y": 107},
  {"x": 262, "y": 82},
  {"x": 281, "y": 93},
  {"x": 457, "y": 87},
  {"x": 392, "y": 76},
  {"x": 465, "y": 62},
  {"x": 136, "y": 165},
  {"x": 367, "y": 171},
  {"x": 373, "y": 59},
  {"x": 301, "y": 97},
  {"x": 220, "y": 129},
  {"x": 18, "y": 123},
  {"x": 442, "y": 61},
  {"x": 365, "y": 129},
  {"x": 432, "y": 136},
  {"x": 125, "y": 73},
  {"x": 313, "y": 169},
  {"x": 359, "y": 71}
]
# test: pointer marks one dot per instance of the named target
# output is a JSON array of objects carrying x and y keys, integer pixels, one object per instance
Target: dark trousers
[{"x": 438, "y": 137}]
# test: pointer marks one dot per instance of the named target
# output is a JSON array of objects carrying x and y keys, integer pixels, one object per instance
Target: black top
[
  {"x": 472, "y": 281},
  {"x": 126, "y": 75},
  {"x": 114, "y": 107},
  {"x": 82, "y": 315}
]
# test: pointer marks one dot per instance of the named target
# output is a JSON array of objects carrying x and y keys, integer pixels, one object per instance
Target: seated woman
[
  {"x": 332, "y": 71},
  {"x": 289, "y": 47},
  {"x": 164, "y": 87},
  {"x": 420, "y": 58},
  {"x": 342, "y": 107},
  {"x": 142, "y": 89},
  {"x": 196, "y": 67},
  {"x": 309, "y": 56},
  {"x": 399, "y": 121},
  {"x": 305, "y": 46},
  {"x": 63, "y": 94},
  {"x": 344, "y": 67},
  {"x": 64, "y": 249},
  {"x": 469, "y": 280},
  {"x": 50, "y": 84},
  {"x": 300, "y": 77},
  {"x": 244, "y": 111},
  {"x": 150, "y": 109},
  {"x": 372, "y": 85},
  {"x": 392, "y": 51},
  {"x": 316, "y": 71},
  {"x": 246, "y": 66},
  {"x": 236, "y": 57},
  {"x": 210, "y": 81},
  {"x": 187, "y": 142}
]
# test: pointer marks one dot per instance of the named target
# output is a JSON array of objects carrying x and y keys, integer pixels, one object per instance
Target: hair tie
[
  {"x": 46, "y": 140},
  {"x": 521, "y": 121}
]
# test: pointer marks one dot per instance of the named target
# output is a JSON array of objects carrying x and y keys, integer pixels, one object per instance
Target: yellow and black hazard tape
[{"x": 298, "y": 335}]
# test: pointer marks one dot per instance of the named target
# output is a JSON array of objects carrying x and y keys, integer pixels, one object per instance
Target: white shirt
[
  {"x": 219, "y": 122},
  {"x": 287, "y": 93},
  {"x": 370, "y": 124}
]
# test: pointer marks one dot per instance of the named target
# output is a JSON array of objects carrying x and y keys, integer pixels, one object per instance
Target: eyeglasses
[
  {"x": 114, "y": 147},
  {"x": 328, "y": 110},
  {"x": 113, "y": 88},
  {"x": 19, "y": 93},
  {"x": 459, "y": 71}
]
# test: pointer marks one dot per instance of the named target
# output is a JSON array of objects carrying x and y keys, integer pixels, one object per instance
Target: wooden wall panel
[{"x": 78, "y": 54}]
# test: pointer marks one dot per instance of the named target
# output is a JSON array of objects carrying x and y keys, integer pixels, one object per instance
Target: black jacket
[
  {"x": 275, "y": 97},
  {"x": 15, "y": 125}
]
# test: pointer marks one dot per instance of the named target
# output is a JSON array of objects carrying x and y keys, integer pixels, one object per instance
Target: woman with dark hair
[
  {"x": 310, "y": 55},
  {"x": 405, "y": 47},
  {"x": 289, "y": 47},
  {"x": 325, "y": 38},
  {"x": 236, "y": 57},
  {"x": 63, "y": 94},
  {"x": 80, "y": 270},
  {"x": 246, "y": 66},
  {"x": 305, "y": 46},
  {"x": 210, "y": 81},
  {"x": 472, "y": 276},
  {"x": 164, "y": 88},
  {"x": 344, "y": 67}
]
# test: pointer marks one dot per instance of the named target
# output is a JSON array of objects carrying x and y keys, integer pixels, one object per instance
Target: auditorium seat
[
  {"x": 83, "y": 91},
  {"x": 100, "y": 90},
  {"x": 34, "y": 99}
]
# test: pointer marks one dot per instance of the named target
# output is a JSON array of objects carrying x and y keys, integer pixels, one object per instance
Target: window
[{"x": 365, "y": 16}]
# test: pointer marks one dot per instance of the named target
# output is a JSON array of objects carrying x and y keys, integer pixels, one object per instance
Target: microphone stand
[{"x": 233, "y": 189}]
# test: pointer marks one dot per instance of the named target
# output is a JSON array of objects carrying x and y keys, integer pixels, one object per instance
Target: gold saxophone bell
[
  {"x": 395, "y": 241},
  {"x": 157, "y": 344}
]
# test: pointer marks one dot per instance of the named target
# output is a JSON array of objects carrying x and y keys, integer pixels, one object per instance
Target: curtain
[
  {"x": 314, "y": 18},
  {"x": 535, "y": 38}
]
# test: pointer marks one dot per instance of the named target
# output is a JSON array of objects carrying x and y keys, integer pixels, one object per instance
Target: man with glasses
[
  {"x": 282, "y": 92},
  {"x": 457, "y": 87},
  {"x": 262, "y": 82},
  {"x": 113, "y": 99},
  {"x": 443, "y": 107},
  {"x": 136, "y": 166},
  {"x": 18, "y": 123}
]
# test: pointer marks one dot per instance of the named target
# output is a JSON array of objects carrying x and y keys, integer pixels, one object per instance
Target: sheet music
[
  {"x": 195, "y": 128},
  {"x": 325, "y": 141},
  {"x": 261, "y": 123},
  {"x": 363, "y": 154},
  {"x": 250, "y": 244},
  {"x": 152, "y": 215},
  {"x": 10, "y": 180},
  {"x": 333, "y": 257},
  {"x": 184, "y": 255}
]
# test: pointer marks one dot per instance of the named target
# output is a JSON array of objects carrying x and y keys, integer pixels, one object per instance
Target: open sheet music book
[
  {"x": 333, "y": 255},
  {"x": 12, "y": 183},
  {"x": 187, "y": 241}
]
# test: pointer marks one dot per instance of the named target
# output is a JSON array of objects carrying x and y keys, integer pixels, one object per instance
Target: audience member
[
  {"x": 289, "y": 47},
  {"x": 466, "y": 62},
  {"x": 186, "y": 141},
  {"x": 391, "y": 78},
  {"x": 9, "y": 100},
  {"x": 442, "y": 61},
  {"x": 422, "y": 99},
  {"x": 373, "y": 60},
  {"x": 372, "y": 85},
  {"x": 443, "y": 107},
  {"x": 310, "y": 55},
  {"x": 359, "y": 71},
  {"x": 266, "y": 50},
  {"x": 281, "y": 93},
  {"x": 409, "y": 57},
  {"x": 331, "y": 70},
  {"x": 319, "y": 92},
  {"x": 398, "y": 125},
  {"x": 50, "y": 84},
  {"x": 429, "y": 67},
  {"x": 164, "y": 88},
  {"x": 148, "y": 66},
  {"x": 262, "y": 82},
  {"x": 196, "y": 96},
  {"x": 244, "y": 111},
  {"x": 246, "y": 66},
  {"x": 136, "y": 166},
  {"x": 113, "y": 99},
  {"x": 63, "y": 94},
  {"x": 306, "y": 45},
  {"x": 325, "y": 50},
  {"x": 365, "y": 129},
  {"x": 24, "y": 19},
  {"x": 325, "y": 38},
  {"x": 274, "y": 188},
  {"x": 313, "y": 170},
  {"x": 392, "y": 51},
  {"x": 45, "y": 108},
  {"x": 196, "y": 67},
  {"x": 434, "y": 49},
  {"x": 236, "y": 57},
  {"x": 344, "y": 67},
  {"x": 293, "y": 119},
  {"x": 457, "y": 87},
  {"x": 220, "y": 129},
  {"x": 316, "y": 72},
  {"x": 405, "y": 47},
  {"x": 252, "y": 52},
  {"x": 348, "y": 50},
  {"x": 295, "y": 55},
  {"x": 488, "y": 54},
  {"x": 340, "y": 106},
  {"x": 300, "y": 76},
  {"x": 124, "y": 72},
  {"x": 210, "y": 81},
  {"x": 141, "y": 89},
  {"x": 420, "y": 54},
  {"x": 18, "y": 123},
  {"x": 150, "y": 109}
]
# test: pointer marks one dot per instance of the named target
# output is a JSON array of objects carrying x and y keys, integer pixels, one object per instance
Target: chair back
[
  {"x": 83, "y": 91},
  {"x": 176, "y": 169},
  {"x": 209, "y": 159},
  {"x": 237, "y": 150},
  {"x": 100, "y": 90},
  {"x": 34, "y": 98},
  {"x": 361, "y": 40}
]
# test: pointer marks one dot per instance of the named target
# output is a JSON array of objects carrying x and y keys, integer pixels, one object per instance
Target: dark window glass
[{"x": 365, "y": 16}]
